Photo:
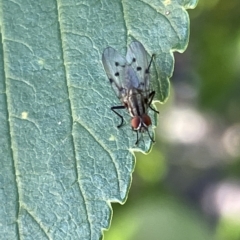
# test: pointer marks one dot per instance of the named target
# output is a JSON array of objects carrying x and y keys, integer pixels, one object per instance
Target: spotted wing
[
  {"x": 137, "y": 57},
  {"x": 121, "y": 75}
]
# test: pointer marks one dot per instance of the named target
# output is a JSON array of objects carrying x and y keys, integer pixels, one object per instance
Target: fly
[{"x": 129, "y": 78}]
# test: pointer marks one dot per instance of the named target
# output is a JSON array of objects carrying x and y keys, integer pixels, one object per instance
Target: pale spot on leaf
[{"x": 24, "y": 115}]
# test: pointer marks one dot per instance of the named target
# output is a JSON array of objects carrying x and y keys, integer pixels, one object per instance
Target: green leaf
[{"x": 62, "y": 159}]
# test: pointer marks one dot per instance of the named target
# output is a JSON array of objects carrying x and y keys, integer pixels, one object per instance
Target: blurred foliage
[
  {"x": 215, "y": 46},
  {"x": 165, "y": 200},
  {"x": 152, "y": 170},
  {"x": 228, "y": 229},
  {"x": 155, "y": 218}
]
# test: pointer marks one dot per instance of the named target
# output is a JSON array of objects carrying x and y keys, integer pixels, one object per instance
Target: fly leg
[
  {"x": 136, "y": 143},
  {"x": 151, "y": 96},
  {"x": 147, "y": 70},
  {"x": 150, "y": 135},
  {"x": 118, "y": 107}
]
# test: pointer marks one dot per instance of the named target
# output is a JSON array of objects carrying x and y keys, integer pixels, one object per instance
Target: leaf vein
[
  {"x": 104, "y": 148},
  {"x": 61, "y": 33}
]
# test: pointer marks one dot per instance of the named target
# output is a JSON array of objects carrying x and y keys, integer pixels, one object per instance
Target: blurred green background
[{"x": 188, "y": 187}]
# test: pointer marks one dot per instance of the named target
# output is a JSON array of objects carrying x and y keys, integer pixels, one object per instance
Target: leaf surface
[{"x": 62, "y": 159}]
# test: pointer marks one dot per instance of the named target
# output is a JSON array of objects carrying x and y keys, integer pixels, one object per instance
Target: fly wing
[
  {"x": 114, "y": 65},
  {"x": 121, "y": 75},
  {"x": 137, "y": 58}
]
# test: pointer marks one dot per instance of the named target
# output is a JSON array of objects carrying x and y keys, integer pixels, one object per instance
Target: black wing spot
[
  {"x": 116, "y": 64},
  {"x": 116, "y": 74},
  {"x": 147, "y": 71},
  {"x": 139, "y": 68},
  {"x": 111, "y": 80},
  {"x": 134, "y": 59}
]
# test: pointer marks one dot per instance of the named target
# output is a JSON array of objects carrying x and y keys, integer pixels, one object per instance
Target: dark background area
[{"x": 188, "y": 187}]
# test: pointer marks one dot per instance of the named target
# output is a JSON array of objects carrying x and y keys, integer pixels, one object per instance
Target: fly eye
[
  {"x": 146, "y": 120},
  {"x": 135, "y": 122}
]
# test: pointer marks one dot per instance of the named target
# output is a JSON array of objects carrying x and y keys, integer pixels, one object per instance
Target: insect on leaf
[{"x": 130, "y": 81}]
